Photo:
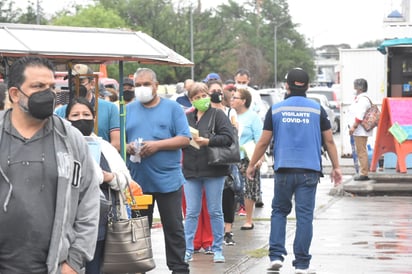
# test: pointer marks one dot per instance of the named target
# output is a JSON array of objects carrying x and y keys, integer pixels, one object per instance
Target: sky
[{"x": 322, "y": 22}]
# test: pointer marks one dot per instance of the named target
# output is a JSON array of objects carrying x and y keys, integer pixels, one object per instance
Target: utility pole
[
  {"x": 192, "y": 68},
  {"x": 275, "y": 51},
  {"x": 38, "y": 13}
]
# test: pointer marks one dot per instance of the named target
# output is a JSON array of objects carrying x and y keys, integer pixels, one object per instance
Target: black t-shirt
[{"x": 26, "y": 228}]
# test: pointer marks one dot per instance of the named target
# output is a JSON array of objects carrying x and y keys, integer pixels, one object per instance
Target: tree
[
  {"x": 93, "y": 16},
  {"x": 32, "y": 15},
  {"x": 8, "y": 14},
  {"x": 371, "y": 44}
]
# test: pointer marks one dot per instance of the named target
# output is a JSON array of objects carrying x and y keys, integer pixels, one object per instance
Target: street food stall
[
  {"x": 394, "y": 133},
  {"x": 70, "y": 45}
]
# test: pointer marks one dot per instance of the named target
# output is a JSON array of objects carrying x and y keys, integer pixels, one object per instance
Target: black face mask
[
  {"x": 216, "y": 97},
  {"x": 82, "y": 91},
  {"x": 41, "y": 104},
  {"x": 85, "y": 126},
  {"x": 128, "y": 95}
]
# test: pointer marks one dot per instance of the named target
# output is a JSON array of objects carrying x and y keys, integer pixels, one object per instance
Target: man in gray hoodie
[{"x": 49, "y": 193}]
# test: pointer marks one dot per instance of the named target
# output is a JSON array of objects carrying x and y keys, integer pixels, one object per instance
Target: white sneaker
[
  {"x": 275, "y": 265},
  {"x": 305, "y": 271}
]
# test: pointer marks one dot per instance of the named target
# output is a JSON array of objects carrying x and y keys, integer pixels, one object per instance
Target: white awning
[{"x": 87, "y": 45}]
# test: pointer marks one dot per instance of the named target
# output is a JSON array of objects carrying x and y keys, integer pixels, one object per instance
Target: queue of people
[{"x": 70, "y": 181}]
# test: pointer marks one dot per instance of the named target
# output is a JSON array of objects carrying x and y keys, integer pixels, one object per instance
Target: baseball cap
[
  {"x": 297, "y": 79},
  {"x": 102, "y": 90},
  {"x": 230, "y": 87},
  {"x": 211, "y": 76},
  {"x": 81, "y": 69},
  {"x": 128, "y": 81}
]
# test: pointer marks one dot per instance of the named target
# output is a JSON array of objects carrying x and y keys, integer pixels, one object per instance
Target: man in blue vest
[{"x": 298, "y": 127}]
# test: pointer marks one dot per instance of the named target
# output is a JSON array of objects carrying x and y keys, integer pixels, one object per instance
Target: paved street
[{"x": 352, "y": 234}]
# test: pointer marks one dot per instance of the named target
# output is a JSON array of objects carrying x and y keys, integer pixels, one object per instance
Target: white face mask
[
  {"x": 241, "y": 86},
  {"x": 143, "y": 94}
]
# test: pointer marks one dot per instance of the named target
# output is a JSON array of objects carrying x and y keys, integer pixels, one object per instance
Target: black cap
[
  {"x": 298, "y": 80},
  {"x": 128, "y": 81}
]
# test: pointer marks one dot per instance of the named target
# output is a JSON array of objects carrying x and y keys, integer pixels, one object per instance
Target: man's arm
[
  {"x": 151, "y": 147},
  {"x": 336, "y": 174},
  {"x": 259, "y": 151}
]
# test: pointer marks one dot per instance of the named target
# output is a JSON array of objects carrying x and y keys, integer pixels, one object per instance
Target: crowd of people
[{"x": 197, "y": 202}]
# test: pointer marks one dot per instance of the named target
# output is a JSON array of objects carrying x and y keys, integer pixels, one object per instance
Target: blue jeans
[
  {"x": 303, "y": 186},
  {"x": 213, "y": 187}
]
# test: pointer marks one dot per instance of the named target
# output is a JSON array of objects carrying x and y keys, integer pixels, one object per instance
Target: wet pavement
[
  {"x": 356, "y": 234},
  {"x": 352, "y": 234}
]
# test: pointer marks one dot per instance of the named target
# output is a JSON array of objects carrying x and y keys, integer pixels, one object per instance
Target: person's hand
[
  {"x": 130, "y": 149},
  {"x": 351, "y": 130},
  {"x": 250, "y": 172},
  {"x": 67, "y": 269},
  {"x": 336, "y": 176},
  {"x": 202, "y": 141},
  {"x": 107, "y": 176},
  {"x": 148, "y": 148}
]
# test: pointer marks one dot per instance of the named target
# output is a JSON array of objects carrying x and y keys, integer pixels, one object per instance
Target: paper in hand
[{"x": 195, "y": 134}]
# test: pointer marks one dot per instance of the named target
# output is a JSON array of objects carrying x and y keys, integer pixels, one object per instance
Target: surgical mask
[
  {"x": 202, "y": 104},
  {"x": 85, "y": 126},
  {"x": 216, "y": 97},
  {"x": 128, "y": 95},
  {"x": 40, "y": 105},
  {"x": 241, "y": 86},
  {"x": 143, "y": 94}
]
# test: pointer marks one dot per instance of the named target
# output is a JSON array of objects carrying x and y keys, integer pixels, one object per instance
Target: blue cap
[{"x": 211, "y": 76}]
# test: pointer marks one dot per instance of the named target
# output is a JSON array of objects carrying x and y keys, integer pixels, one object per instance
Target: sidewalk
[{"x": 351, "y": 235}]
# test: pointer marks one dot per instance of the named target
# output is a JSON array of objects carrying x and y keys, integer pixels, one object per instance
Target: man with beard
[{"x": 48, "y": 180}]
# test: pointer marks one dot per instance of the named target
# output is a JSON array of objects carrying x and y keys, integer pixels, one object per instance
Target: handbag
[
  {"x": 222, "y": 155},
  {"x": 128, "y": 245},
  {"x": 371, "y": 118}
]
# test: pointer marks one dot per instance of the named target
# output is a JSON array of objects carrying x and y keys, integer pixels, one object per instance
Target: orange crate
[{"x": 142, "y": 202}]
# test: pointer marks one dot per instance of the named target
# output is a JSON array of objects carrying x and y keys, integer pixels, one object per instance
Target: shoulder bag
[
  {"x": 371, "y": 118},
  {"x": 222, "y": 155},
  {"x": 128, "y": 245}
]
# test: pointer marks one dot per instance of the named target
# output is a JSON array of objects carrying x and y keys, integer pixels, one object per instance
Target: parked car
[
  {"x": 272, "y": 95},
  {"x": 330, "y": 94},
  {"x": 333, "y": 98},
  {"x": 323, "y": 101},
  {"x": 269, "y": 97}
]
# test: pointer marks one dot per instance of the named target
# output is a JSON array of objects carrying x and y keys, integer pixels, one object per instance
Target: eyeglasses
[{"x": 234, "y": 97}]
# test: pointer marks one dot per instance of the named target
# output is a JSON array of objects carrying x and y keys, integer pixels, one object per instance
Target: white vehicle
[{"x": 324, "y": 102}]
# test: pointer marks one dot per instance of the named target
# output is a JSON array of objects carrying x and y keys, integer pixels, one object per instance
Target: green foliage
[
  {"x": 225, "y": 38},
  {"x": 96, "y": 16},
  {"x": 371, "y": 44},
  {"x": 8, "y": 13}
]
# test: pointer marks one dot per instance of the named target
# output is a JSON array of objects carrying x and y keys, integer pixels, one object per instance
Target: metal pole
[
  {"x": 122, "y": 112},
  {"x": 38, "y": 13},
  {"x": 192, "y": 69},
  {"x": 275, "y": 53}
]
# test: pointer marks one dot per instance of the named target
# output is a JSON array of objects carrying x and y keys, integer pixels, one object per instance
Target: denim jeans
[
  {"x": 303, "y": 186},
  {"x": 213, "y": 187}
]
